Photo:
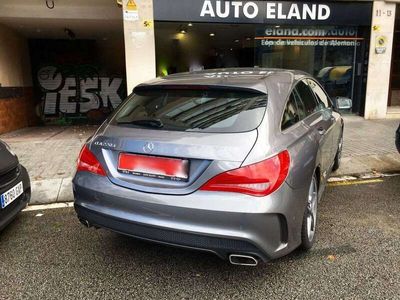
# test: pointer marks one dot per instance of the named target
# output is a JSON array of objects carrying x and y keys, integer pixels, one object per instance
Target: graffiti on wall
[{"x": 77, "y": 90}]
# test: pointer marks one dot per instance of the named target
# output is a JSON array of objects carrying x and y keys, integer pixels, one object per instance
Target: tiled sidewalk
[
  {"x": 49, "y": 153},
  {"x": 368, "y": 146}
]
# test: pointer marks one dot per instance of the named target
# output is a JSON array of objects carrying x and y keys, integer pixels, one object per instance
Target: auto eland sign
[
  {"x": 264, "y": 12},
  {"x": 274, "y": 10}
]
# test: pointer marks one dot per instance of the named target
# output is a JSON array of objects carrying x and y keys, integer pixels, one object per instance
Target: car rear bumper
[
  {"x": 221, "y": 246},
  {"x": 10, "y": 212},
  {"x": 264, "y": 231}
]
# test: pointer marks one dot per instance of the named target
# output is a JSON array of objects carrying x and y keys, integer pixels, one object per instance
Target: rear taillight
[
  {"x": 87, "y": 162},
  {"x": 260, "y": 179}
]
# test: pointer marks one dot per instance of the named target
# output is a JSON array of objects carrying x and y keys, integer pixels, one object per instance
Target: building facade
[
  {"x": 347, "y": 45},
  {"x": 77, "y": 61}
]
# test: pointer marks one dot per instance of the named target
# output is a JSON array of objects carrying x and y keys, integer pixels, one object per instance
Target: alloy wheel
[
  {"x": 312, "y": 203},
  {"x": 340, "y": 148}
]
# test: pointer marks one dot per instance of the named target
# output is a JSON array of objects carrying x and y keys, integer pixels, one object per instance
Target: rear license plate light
[{"x": 154, "y": 166}]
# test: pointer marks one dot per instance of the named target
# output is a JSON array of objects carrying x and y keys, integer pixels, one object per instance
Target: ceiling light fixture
[
  {"x": 182, "y": 29},
  {"x": 212, "y": 34}
]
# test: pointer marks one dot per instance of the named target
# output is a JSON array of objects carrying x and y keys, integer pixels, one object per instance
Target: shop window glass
[
  {"x": 307, "y": 98},
  {"x": 334, "y": 55},
  {"x": 329, "y": 53}
]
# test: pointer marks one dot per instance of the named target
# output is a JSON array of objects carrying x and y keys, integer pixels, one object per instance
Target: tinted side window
[
  {"x": 322, "y": 97},
  {"x": 307, "y": 96},
  {"x": 300, "y": 106},
  {"x": 290, "y": 115}
]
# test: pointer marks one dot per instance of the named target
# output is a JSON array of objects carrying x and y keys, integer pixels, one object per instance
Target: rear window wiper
[{"x": 155, "y": 123}]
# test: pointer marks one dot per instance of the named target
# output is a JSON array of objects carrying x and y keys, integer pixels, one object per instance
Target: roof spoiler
[{"x": 148, "y": 87}]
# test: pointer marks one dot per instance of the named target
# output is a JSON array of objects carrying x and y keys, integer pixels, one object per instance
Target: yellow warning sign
[
  {"x": 131, "y": 12},
  {"x": 380, "y": 44},
  {"x": 131, "y": 5}
]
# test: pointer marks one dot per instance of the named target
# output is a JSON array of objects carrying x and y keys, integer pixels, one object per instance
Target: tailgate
[{"x": 204, "y": 155}]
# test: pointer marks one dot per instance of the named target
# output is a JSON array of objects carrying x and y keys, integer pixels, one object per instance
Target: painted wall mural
[{"x": 78, "y": 90}]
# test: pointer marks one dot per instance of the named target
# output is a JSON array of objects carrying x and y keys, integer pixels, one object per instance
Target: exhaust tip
[
  {"x": 85, "y": 223},
  {"x": 243, "y": 260}
]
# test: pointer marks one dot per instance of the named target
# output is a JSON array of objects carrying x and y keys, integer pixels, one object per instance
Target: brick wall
[{"x": 17, "y": 111}]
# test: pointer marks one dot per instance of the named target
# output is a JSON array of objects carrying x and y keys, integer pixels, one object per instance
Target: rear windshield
[{"x": 193, "y": 110}]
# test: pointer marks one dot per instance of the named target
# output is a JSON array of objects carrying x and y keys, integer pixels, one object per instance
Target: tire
[
  {"x": 308, "y": 228},
  {"x": 338, "y": 156}
]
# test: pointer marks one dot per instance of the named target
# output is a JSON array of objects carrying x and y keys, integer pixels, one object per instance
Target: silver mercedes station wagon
[{"x": 230, "y": 161}]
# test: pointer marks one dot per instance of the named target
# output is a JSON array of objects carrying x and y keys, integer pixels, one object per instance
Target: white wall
[
  {"x": 379, "y": 65},
  {"x": 15, "y": 68},
  {"x": 140, "y": 53}
]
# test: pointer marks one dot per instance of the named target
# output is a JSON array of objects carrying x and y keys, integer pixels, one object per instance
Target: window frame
[
  {"x": 330, "y": 103},
  {"x": 304, "y": 81}
]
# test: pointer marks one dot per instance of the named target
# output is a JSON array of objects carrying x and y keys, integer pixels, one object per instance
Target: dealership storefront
[
  {"x": 326, "y": 40},
  {"x": 347, "y": 45}
]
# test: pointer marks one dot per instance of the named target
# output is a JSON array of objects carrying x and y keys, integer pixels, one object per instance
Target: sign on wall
[
  {"x": 308, "y": 36},
  {"x": 268, "y": 12},
  {"x": 77, "y": 91},
  {"x": 131, "y": 12}
]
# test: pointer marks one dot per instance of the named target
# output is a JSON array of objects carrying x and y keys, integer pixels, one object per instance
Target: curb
[
  {"x": 364, "y": 176},
  {"x": 51, "y": 191},
  {"x": 41, "y": 207}
]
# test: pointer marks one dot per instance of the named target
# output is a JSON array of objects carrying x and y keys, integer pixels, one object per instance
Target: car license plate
[
  {"x": 154, "y": 166},
  {"x": 11, "y": 195}
]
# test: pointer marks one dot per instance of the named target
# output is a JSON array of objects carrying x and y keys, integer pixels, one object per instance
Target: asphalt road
[{"x": 357, "y": 256}]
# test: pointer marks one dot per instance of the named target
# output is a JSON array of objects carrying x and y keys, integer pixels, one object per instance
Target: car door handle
[{"x": 321, "y": 130}]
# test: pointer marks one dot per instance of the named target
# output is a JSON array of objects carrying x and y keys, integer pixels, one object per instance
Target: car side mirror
[{"x": 342, "y": 103}]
